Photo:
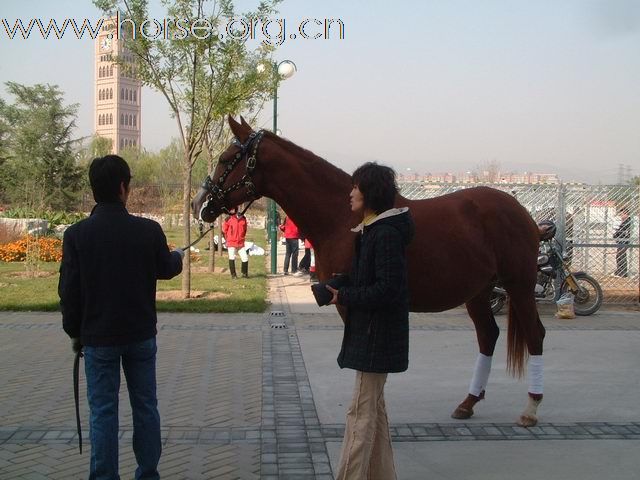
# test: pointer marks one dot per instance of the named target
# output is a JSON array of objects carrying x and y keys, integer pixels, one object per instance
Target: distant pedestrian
[
  {"x": 622, "y": 236},
  {"x": 292, "y": 237},
  {"x": 305, "y": 264},
  {"x": 234, "y": 230}
]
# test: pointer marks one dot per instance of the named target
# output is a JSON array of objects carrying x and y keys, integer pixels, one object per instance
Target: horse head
[{"x": 234, "y": 180}]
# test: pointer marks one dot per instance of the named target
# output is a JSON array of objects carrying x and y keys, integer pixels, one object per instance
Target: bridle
[{"x": 216, "y": 191}]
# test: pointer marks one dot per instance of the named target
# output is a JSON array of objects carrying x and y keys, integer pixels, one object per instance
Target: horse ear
[
  {"x": 244, "y": 122},
  {"x": 238, "y": 130}
]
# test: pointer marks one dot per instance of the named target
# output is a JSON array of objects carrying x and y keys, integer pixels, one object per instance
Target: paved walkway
[{"x": 260, "y": 396}]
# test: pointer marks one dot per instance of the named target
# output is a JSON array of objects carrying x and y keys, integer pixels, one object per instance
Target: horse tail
[
  {"x": 517, "y": 351},
  {"x": 517, "y": 267},
  {"x": 525, "y": 332}
]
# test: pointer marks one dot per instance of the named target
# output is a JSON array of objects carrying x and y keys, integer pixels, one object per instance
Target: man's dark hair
[
  {"x": 105, "y": 175},
  {"x": 377, "y": 184}
]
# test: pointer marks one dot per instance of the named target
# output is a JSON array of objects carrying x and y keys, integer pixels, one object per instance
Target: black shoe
[{"x": 244, "y": 268}]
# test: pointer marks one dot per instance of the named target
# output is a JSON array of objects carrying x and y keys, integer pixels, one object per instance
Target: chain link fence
[{"x": 591, "y": 226}]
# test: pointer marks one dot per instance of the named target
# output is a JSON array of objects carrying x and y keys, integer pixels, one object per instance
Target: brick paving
[{"x": 234, "y": 396}]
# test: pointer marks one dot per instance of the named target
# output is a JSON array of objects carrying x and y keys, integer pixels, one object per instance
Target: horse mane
[{"x": 306, "y": 156}]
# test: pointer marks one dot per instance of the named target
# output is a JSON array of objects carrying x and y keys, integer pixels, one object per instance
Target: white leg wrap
[
  {"x": 480, "y": 374},
  {"x": 535, "y": 374}
]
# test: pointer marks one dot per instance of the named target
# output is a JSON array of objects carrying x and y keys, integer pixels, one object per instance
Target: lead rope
[
  {"x": 210, "y": 228},
  {"x": 76, "y": 396},
  {"x": 202, "y": 234}
]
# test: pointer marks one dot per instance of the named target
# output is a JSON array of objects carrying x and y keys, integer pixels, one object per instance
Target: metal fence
[{"x": 587, "y": 217}]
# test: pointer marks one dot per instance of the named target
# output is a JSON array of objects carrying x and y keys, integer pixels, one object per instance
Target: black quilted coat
[{"x": 376, "y": 333}]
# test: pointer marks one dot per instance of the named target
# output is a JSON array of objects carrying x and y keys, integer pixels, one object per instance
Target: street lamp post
[{"x": 283, "y": 70}]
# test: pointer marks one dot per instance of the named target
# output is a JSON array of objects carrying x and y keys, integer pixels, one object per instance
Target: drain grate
[{"x": 276, "y": 324}]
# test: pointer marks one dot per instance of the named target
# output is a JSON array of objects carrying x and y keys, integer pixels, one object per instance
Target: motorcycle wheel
[
  {"x": 588, "y": 299},
  {"x": 497, "y": 301}
]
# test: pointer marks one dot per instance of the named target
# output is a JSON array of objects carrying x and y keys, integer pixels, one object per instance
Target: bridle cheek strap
[{"x": 217, "y": 192}]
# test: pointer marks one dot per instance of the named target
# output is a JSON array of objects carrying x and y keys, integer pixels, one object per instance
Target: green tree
[
  {"x": 5, "y": 132},
  {"x": 100, "y": 146},
  {"x": 36, "y": 147},
  {"x": 202, "y": 79}
]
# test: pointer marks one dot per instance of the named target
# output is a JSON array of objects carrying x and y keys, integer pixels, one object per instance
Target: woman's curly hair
[{"x": 377, "y": 184}]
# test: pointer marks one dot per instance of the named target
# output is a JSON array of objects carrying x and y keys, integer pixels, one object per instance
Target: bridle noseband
[{"x": 216, "y": 191}]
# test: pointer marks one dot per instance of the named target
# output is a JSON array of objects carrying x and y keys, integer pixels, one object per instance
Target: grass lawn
[{"x": 220, "y": 292}]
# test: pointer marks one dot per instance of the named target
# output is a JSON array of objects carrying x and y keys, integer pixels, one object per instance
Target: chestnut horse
[{"x": 463, "y": 242}]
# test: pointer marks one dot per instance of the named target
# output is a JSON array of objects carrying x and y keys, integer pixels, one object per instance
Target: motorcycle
[{"x": 553, "y": 270}]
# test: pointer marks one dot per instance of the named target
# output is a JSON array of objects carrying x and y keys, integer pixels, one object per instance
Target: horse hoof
[
  {"x": 462, "y": 413},
  {"x": 527, "y": 421}
]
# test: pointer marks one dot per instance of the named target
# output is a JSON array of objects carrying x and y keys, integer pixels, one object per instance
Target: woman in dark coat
[{"x": 376, "y": 334}]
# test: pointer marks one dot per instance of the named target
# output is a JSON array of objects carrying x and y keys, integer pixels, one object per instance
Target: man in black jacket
[{"x": 110, "y": 264}]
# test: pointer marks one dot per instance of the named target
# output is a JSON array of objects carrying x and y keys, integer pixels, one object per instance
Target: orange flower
[{"x": 49, "y": 249}]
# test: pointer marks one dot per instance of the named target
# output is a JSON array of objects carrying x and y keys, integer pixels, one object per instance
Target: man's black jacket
[{"x": 110, "y": 264}]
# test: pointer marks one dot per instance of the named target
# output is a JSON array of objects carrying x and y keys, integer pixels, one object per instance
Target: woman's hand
[{"x": 334, "y": 292}]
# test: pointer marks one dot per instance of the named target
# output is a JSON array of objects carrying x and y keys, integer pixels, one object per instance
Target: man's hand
[
  {"x": 76, "y": 346},
  {"x": 180, "y": 251},
  {"x": 334, "y": 292}
]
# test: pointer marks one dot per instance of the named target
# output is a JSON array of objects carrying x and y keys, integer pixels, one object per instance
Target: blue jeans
[{"x": 102, "y": 368}]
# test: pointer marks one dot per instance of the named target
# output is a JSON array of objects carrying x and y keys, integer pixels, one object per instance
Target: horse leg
[
  {"x": 525, "y": 312},
  {"x": 487, "y": 332}
]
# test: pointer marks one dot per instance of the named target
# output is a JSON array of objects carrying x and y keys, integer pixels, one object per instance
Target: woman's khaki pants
[{"x": 366, "y": 448}]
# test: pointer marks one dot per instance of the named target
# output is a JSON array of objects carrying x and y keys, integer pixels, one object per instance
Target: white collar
[{"x": 386, "y": 214}]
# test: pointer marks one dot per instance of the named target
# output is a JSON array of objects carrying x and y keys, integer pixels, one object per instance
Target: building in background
[
  {"x": 117, "y": 93},
  {"x": 482, "y": 177}
]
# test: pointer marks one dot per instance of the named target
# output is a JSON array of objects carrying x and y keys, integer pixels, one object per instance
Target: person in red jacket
[
  {"x": 291, "y": 235},
  {"x": 305, "y": 264},
  {"x": 234, "y": 230}
]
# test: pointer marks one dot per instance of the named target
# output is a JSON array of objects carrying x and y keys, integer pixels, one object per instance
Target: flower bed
[{"x": 48, "y": 249}]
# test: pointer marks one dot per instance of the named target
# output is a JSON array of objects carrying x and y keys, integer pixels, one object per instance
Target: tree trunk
[
  {"x": 212, "y": 252},
  {"x": 186, "y": 214},
  {"x": 212, "y": 245}
]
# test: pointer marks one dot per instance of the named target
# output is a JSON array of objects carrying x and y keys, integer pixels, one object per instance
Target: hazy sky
[{"x": 549, "y": 86}]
